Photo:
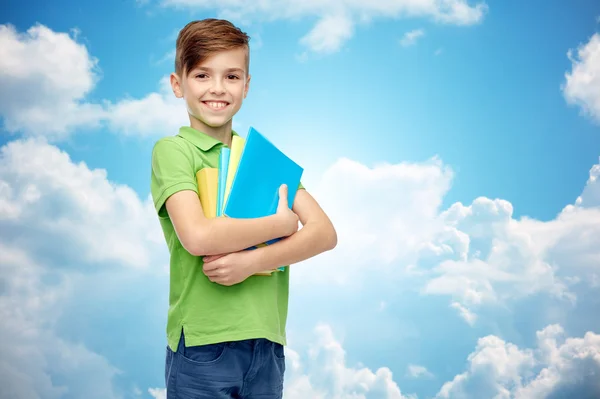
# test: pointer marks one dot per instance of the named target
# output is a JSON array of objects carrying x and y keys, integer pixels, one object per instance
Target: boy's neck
[{"x": 221, "y": 133}]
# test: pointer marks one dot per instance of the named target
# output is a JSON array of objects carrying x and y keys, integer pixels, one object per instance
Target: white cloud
[
  {"x": 582, "y": 83},
  {"x": 68, "y": 236},
  {"x": 153, "y": 115},
  {"x": 590, "y": 197},
  {"x": 416, "y": 371},
  {"x": 569, "y": 243},
  {"x": 558, "y": 367},
  {"x": 570, "y": 366},
  {"x": 465, "y": 313},
  {"x": 51, "y": 200},
  {"x": 44, "y": 78},
  {"x": 336, "y": 20},
  {"x": 35, "y": 362},
  {"x": 400, "y": 219},
  {"x": 328, "y": 34},
  {"x": 510, "y": 259},
  {"x": 503, "y": 260},
  {"x": 325, "y": 374},
  {"x": 477, "y": 255},
  {"x": 410, "y": 38},
  {"x": 158, "y": 393}
]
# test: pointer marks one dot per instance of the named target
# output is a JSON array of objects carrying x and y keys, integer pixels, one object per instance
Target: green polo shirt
[{"x": 209, "y": 312}]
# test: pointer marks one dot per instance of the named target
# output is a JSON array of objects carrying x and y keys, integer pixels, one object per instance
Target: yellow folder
[{"x": 208, "y": 186}]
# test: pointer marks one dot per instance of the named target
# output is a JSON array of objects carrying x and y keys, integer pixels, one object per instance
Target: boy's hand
[
  {"x": 233, "y": 268},
  {"x": 228, "y": 269},
  {"x": 287, "y": 216}
]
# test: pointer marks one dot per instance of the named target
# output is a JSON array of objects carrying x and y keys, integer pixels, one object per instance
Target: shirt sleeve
[{"x": 172, "y": 171}]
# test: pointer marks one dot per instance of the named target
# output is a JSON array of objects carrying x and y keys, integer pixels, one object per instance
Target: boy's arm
[
  {"x": 174, "y": 190},
  {"x": 200, "y": 235},
  {"x": 317, "y": 235}
]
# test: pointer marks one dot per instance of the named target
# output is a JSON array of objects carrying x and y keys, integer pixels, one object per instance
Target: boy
[{"x": 225, "y": 326}]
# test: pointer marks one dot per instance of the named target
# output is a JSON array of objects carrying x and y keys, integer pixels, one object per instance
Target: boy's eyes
[{"x": 204, "y": 76}]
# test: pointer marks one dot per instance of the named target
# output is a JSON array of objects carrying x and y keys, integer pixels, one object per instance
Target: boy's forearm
[
  {"x": 309, "y": 241},
  {"x": 225, "y": 235}
]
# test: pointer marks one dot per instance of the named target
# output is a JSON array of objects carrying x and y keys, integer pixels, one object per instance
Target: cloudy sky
[{"x": 455, "y": 144}]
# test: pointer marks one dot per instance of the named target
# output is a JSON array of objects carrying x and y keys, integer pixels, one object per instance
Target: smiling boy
[{"x": 226, "y": 325}]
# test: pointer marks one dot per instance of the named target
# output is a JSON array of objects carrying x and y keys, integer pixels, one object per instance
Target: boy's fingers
[
  {"x": 217, "y": 279},
  {"x": 283, "y": 194},
  {"x": 209, "y": 267},
  {"x": 211, "y": 258}
]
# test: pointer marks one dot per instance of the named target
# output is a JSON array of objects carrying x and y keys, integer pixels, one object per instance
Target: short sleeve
[{"x": 172, "y": 171}]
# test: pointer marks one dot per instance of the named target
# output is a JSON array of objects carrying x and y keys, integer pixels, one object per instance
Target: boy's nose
[{"x": 217, "y": 88}]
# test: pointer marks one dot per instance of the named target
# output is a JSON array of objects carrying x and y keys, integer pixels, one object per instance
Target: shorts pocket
[
  {"x": 277, "y": 365},
  {"x": 278, "y": 351},
  {"x": 205, "y": 354}
]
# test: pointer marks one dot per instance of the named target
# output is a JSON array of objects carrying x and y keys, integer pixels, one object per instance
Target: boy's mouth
[{"x": 216, "y": 105}]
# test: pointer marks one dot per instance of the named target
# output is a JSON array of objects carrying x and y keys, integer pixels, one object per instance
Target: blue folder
[
  {"x": 263, "y": 168},
  {"x": 223, "y": 162}
]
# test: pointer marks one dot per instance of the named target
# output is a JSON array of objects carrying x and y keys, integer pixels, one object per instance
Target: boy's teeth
[{"x": 216, "y": 105}]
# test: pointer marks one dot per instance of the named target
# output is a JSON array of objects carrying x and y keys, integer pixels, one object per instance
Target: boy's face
[{"x": 214, "y": 90}]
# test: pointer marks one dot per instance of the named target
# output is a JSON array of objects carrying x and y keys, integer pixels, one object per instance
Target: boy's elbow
[
  {"x": 196, "y": 244},
  {"x": 331, "y": 239},
  {"x": 334, "y": 239},
  {"x": 192, "y": 246}
]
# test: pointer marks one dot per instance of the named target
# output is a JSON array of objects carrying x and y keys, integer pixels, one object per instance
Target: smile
[{"x": 216, "y": 105}]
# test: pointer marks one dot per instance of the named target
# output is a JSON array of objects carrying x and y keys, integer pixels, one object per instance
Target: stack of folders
[{"x": 246, "y": 182}]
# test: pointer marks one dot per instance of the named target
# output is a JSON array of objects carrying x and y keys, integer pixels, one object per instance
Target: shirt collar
[{"x": 200, "y": 139}]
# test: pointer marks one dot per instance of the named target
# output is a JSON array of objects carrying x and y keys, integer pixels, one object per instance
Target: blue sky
[{"x": 451, "y": 164}]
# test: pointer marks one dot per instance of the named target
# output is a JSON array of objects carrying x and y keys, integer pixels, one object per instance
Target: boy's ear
[
  {"x": 176, "y": 86},
  {"x": 247, "y": 86}
]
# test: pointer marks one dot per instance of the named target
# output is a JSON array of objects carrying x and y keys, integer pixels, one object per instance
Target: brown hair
[{"x": 198, "y": 40}]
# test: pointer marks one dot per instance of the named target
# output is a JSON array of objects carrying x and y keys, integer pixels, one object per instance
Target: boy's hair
[{"x": 198, "y": 40}]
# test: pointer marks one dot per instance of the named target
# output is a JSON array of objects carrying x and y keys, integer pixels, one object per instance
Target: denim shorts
[{"x": 247, "y": 369}]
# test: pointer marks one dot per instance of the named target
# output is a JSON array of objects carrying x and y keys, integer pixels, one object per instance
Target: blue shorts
[{"x": 246, "y": 369}]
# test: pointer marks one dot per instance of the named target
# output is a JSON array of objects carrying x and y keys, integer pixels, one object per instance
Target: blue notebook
[{"x": 263, "y": 168}]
